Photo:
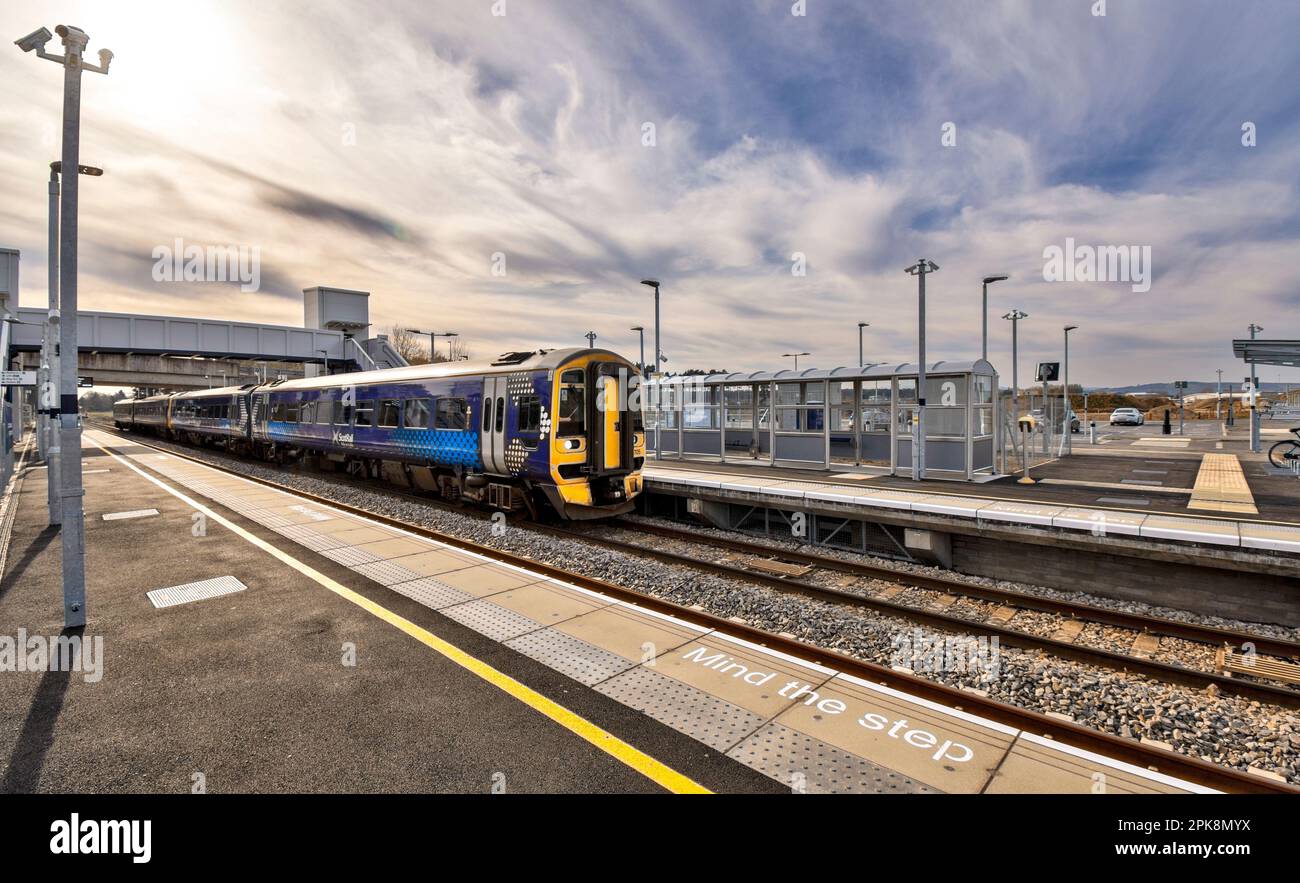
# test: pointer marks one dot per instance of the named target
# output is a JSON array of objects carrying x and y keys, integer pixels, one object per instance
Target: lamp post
[
  {"x": 1014, "y": 318},
  {"x": 71, "y": 493},
  {"x": 920, "y": 269},
  {"x": 1218, "y": 395},
  {"x": 433, "y": 342},
  {"x": 861, "y": 357},
  {"x": 641, "y": 331},
  {"x": 1254, "y": 398},
  {"x": 796, "y": 358},
  {"x": 326, "y": 354},
  {"x": 988, "y": 280},
  {"x": 654, "y": 283},
  {"x": 1067, "y": 438}
]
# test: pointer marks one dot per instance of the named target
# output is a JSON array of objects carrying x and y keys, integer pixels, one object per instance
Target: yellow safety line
[{"x": 647, "y": 766}]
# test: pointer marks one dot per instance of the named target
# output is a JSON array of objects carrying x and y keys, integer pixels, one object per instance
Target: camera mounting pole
[{"x": 71, "y": 492}]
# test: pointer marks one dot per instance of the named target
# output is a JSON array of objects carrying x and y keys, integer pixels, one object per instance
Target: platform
[{"x": 468, "y": 673}]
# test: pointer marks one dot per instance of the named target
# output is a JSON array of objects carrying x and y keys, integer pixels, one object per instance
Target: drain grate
[
  {"x": 197, "y": 591},
  {"x": 134, "y": 513}
]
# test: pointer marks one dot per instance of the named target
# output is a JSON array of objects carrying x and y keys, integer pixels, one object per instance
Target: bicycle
[{"x": 1286, "y": 453}]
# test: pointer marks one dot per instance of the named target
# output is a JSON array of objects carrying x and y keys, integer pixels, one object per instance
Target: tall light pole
[
  {"x": 1218, "y": 395},
  {"x": 988, "y": 280},
  {"x": 1254, "y": 398},
  {"x": 654, "y": 283},
  {"x": 71, "y": 493},
  {"x": 796, "y": 358},
  {"x": 1014, "y": 317},
  {"x": 920, "y": 269},
  {"x": 49, "y": 379},
  {"x": 433, "y": 342},
  {"x": 641, "y": 331},
  {"x": 1067, "y": 439},
  {"x": 591, "y": 339},
  {"x": 861, "y": 357}
]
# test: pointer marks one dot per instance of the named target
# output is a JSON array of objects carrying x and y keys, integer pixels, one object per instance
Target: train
[{"x": 547, "y": 431}]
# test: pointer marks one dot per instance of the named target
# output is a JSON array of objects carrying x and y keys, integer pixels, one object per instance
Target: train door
[
  {"x": 611, "y": 434},
  {"x": 492, "y": 425}
]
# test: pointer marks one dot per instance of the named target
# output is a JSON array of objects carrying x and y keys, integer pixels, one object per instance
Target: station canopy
[{"x": 1268, "y": 352}]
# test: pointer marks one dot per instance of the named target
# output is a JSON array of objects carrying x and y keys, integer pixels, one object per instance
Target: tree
[{"x": 408, "y": 345}]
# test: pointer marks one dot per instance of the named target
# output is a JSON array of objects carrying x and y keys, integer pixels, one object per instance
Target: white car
[{"x": 1127, "y": 417}]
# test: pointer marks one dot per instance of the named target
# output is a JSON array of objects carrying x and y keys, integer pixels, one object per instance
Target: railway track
[
  {"x": 1072, "y": 609},
  {"x": 1144, "y": 755}
]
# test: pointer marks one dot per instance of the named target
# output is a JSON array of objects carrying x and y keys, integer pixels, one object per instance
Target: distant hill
[{"x": 1193, "y": 387}]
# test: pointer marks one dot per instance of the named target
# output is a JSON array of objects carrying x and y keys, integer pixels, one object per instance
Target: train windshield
[{"x": 573, "y": 403}]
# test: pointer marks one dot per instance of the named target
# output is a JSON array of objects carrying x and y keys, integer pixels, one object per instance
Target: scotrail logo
[{"x": 1101, "y": 263}]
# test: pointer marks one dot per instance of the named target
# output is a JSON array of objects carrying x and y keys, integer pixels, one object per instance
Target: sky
[{"x": 513, "y": 176}]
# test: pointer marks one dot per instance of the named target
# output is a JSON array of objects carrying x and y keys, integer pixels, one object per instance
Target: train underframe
[{"x": 452, "y": 483}]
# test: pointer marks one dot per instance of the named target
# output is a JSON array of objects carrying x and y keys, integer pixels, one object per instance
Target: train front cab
[{"x": 597, "y": 442}]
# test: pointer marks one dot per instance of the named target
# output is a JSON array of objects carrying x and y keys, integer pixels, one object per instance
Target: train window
[
  {"x": 292, "y": 411},
  {"x": 307, "y": 413},
  {"x": 366, "y": 413},
  {"x": 501, "y": 414},
  {"x": 389, "y": 412},
  {"x": 452, "y": 414},
  {"x": 487, "y": 413},
  {"x": 573, "y": 404},
  {"x": 530, "y": 414},
  {"x": 415, "y": 413},
  {"x": 278, "y": 412},
  {"x": 343, "y": 413},
  {"x": 324, "y": 412}
]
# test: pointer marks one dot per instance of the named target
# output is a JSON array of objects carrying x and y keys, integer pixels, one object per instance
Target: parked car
[
  {"x": 1127, "y": 417},
  {"x": 1037, "y": 414}
]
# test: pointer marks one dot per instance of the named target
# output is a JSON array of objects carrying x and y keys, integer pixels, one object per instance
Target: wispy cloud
[{"x": 397, "y": 147}]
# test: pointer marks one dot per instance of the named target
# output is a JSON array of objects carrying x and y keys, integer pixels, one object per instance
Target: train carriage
[
  {"x": 122, "y": 413},
  {"x": 210, "y": 414},
  {"x": 524, "y": 428},
  {"x": 560, "y": 428},
  {"x": 151, "y": 413}
]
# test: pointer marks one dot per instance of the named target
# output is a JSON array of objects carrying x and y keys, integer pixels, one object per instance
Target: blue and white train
[{"x": 557, "y": 428}]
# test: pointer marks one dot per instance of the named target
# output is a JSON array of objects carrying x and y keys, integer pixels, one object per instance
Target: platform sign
[
  {"x": 1048, "y": 372},
  {"x": 85, "y": 382},
  {"x": 17, "y": 378}
]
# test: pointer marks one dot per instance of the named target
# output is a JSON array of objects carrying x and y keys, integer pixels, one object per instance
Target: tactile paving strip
[
  {"x": 432, "y": 593},
  {"x": 349, "y": 557},
  {"x": 809, "y": 764},
  {"x": 706, "y": 718},
  {"x": 570, "y": 656},
  {"x": 386, "y": 572},
  {"x": 492, "y": 620}
]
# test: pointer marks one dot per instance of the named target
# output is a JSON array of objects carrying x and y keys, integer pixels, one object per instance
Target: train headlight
[{"x": 572, "y": 444}]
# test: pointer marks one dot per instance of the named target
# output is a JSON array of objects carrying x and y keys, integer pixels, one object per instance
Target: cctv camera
[{"x": 34, "y": 40}]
